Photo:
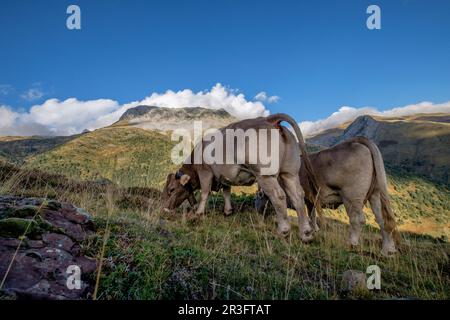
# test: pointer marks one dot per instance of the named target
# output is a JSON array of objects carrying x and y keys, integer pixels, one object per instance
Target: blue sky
[{"x": 315, "y": 55}]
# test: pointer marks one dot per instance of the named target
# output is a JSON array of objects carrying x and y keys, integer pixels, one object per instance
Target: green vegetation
[
  {"x": 167, "y": 257},
  {"x": 154, "y": 255},
  {"x": 126, "y": 156},
  {"x": 18, "y": 149}
]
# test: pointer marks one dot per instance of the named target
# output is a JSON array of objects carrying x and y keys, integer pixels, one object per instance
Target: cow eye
[{"x": 171, "y": 190}]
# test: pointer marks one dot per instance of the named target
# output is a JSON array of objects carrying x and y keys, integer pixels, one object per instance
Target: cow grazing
[
  {"x": 350, "y": 173},
  {"x": 206, "y": 177}
]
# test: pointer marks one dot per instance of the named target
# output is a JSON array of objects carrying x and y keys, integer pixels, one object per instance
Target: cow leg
[
  {"x": 388, "y": 247},
  {"x": 228, "y": 208},
  {"x": 297, "y": 197},
  {"x": 357, "y": 219},
  {"x": 312, "y": 215},
  {"x": 277, "y": 197},
  {"x": 261, "y": 201},
  {"x": 206, "y": 178},
  {"x": 192, "y": 200}
]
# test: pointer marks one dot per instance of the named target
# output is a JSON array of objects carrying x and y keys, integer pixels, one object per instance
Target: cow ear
[{"x": 184, "y": 179}]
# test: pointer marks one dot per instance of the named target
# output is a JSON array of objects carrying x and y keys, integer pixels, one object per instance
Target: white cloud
[
  {"x": 56, "y": 117},
  {"x": 7, "y": 117},
  {"x": 218, "y": 97},
  {"x": 263, "y": 97},
  {"x": 32, "y": 94},
  {"x": 73, "y": 116},
  {"x": 273, "y": 99},
  {"x": 5, "y": 89},
  {"x": 70, "y": 116},
  {"x": 11, "y": 123},
  {"x": 346, "y": 114}
]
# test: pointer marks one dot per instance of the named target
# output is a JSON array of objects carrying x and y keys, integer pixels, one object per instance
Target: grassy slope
[
  {"x": 127, "y": 156},
  {"x": 242, "y": 257},
  {"x": 135, "y": 157},
  {"x": 151, "y": 255},
  {"x": 16, "y": 149}
]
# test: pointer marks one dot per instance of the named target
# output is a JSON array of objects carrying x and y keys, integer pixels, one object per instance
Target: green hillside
[
  {"x": 153, "y": 255},
  {"x": 16, "y": 149},
  {"x": 134, "y": 157},
  {"x": 126, "y": 156}
]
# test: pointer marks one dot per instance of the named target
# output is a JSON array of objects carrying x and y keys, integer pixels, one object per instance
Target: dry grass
[{"x": 146, "y": 254}]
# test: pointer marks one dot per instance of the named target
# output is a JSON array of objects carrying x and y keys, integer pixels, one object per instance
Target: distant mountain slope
[
  {"x": 128, "y": 156},
  {"x": 134, "y": 157},
  {"x": 165, "y": 119},
  {"x": 16, "y": 149},
  {"x": 419, "y": 143}
]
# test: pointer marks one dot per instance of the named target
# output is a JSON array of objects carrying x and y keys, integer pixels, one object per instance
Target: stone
[
  {"x": 59, "y": 241},
  {"x": 9, "y": 242},
  {"x": 53, "y": 205},
  {"x": 25, "y": 211},
  {"x": 16, "y": 227},
  {"x": 52, "y": 243},
  {"x": 353, "y": 280},
  {"x": 35, "y": 243}
]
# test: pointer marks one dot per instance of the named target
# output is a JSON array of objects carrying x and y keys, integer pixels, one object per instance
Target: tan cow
[
  {"x": 206, "y": 177},
  {"x": 350, "y": 173}
]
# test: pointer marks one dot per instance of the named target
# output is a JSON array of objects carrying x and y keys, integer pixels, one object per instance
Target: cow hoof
[
  {"x": 306, "y": 238},
  {"x": 228, "y": 212},
  {"x": 284, "y": 228},
  {"x": 388, "y": 252},
  {"x": 306, "y": 232},
  {"x": 283, "y": 233}
]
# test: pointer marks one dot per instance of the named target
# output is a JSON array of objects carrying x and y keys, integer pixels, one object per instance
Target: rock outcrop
[
  {"x": 41, "y": 255},
  {"x": 166, "y": 119}
]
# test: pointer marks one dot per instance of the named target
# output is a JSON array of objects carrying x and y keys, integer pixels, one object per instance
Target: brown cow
[
  {"x": 206, "y": 177},
  {"x": 350, "y": 173}
]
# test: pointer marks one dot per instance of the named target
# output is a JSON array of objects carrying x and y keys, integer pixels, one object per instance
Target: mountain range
[
  {"x": 418, "y": 144},
  {"x": 167, "y": 119},
  {"x": 116, "y": 173}
]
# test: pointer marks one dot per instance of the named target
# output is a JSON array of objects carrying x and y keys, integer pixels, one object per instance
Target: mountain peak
[
  {"x": 136, "y": 112},
  {"x": 364, "y": 125},
  {"x": 164, "y": 119}
]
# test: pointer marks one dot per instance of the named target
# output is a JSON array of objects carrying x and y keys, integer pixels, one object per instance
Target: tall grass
[{"x": 147, "y": 254}]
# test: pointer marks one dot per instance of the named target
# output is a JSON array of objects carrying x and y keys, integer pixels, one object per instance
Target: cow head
[{"x": 177, "y": 189}]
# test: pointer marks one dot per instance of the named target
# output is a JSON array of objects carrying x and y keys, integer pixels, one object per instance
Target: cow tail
[
  {"x": 279, "y": 117},
  {"x": 379, "y": 182}
]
